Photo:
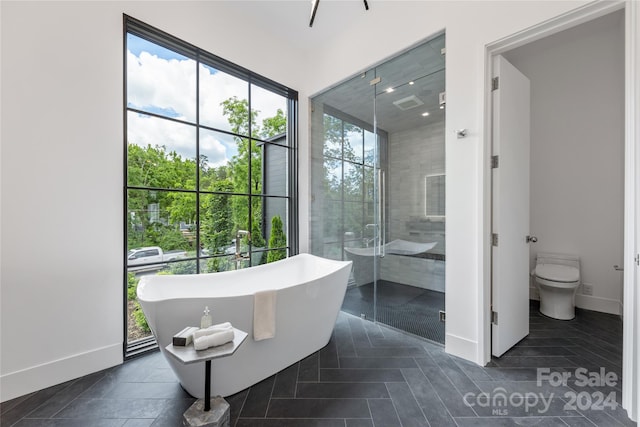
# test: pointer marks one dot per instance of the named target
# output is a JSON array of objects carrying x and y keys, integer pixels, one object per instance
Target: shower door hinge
[
  {"x": 494, "y": 162},
  {"x": 375, "y": 81},
  {"x": 494, "y": 317},
  {"x": 637, "y": 259},
  {"x": 494, "y": 239},
  {"x": 495, "y": 83},
  {"x": 442, "y": 316}
]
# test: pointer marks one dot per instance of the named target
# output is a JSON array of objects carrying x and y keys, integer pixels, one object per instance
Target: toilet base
[
  {"x": 557, "y": 303},
  {"x": 562, "y": 316}
]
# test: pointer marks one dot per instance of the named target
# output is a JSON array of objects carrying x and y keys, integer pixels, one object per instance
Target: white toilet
[{"x": 557, "y": 278}]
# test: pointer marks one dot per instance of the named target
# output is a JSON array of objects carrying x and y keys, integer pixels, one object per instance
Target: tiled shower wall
[{"x": 414, "y": 154}]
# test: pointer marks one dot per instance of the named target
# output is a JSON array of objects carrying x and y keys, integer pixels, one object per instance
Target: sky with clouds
[{"x": 163, "y": 82}]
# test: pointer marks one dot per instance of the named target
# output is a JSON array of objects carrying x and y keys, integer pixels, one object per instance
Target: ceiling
[
  {"x": 289, "y": 19},
  {"x": 419, "y": 73}
]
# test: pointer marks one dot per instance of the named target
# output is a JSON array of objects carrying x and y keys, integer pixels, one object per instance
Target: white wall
[
  {"x": 577, "y": 150},
  {"x": 62, "y": 154},
  {"x": 62, "y": 174}
]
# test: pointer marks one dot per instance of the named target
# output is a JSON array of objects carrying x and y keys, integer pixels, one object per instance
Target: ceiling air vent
[{"x": 408, "y": 103}]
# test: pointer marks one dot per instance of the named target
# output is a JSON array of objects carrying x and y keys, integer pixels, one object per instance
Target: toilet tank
[{"x": 561, "y": 259}]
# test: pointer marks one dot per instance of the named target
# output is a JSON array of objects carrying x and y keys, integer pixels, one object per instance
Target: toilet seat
[{"x": 560, "y": 274}]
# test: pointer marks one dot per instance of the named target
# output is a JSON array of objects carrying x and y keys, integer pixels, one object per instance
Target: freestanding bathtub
[{"x": 309, "y": 295}]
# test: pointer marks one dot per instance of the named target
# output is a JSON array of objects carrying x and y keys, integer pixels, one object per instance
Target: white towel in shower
[
  {"x": 215, "y": 339},
  {"x": 264, "y": 315}
]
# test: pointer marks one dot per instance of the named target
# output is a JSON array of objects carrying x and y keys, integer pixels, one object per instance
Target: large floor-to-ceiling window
[{"x": 210, "y": 155}]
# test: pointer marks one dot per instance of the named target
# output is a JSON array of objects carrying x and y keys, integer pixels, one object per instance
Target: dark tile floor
[
  {"x": 403, "y": 307},
  {"x": 369, "y": 375}
]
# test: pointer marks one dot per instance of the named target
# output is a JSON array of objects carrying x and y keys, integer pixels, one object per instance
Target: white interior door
[{"x": 510, "y": 181}]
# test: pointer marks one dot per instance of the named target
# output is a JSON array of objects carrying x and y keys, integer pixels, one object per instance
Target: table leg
[{"x": 207, "y": 385}]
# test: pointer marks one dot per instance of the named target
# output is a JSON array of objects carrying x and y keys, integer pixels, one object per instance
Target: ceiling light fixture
[
  {"x": 411, "y": 83},
  {"x": 389, "y": 89},
  {"x": 314, "y": 8},
  {"x": 425, "y": 114}
]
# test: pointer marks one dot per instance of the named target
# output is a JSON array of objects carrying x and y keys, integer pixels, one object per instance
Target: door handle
[
  {"x": 381, "y": 215},
  {"x": 531, "y": 239}
]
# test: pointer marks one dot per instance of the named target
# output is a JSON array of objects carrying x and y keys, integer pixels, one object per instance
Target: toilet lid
[{"x": 557, "y": 273}]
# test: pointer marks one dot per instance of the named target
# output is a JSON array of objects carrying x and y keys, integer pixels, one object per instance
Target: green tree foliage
[
  {"x": 155, "y": 167},
  {"x": 138, "y": 315},
  {"x": 272, "y": 126},
  {"x": 278, "y": 239},
  {"x": 346, "y": 178},
  {"x": 217, "y": 218},
  {"x": 155, "y": 216}
]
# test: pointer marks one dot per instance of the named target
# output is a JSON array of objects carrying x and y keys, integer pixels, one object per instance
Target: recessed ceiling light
[
  {"x": 442, "y": 107},
  {"x": 411, "y": 83},
  {"x": 389, "y": 89},
  {"x": 425, "y": 114}
]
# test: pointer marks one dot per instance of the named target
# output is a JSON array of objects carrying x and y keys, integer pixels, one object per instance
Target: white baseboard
[
  {"x": 534, "y": 293},
  {"x": 621, "y": 311},
  {"x": 461, "y": 347},
  {"x": 19, "y": 383},
  {"x": 603, "y": 305}
]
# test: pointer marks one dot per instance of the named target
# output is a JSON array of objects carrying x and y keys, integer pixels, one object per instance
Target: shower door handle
[{"x": 381, "y": 215}]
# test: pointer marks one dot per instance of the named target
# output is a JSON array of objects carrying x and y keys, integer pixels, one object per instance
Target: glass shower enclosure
[{"x": 378, "y": 188}]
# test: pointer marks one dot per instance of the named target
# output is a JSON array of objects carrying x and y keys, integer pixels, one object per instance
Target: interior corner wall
[
  {"x": 393, "y": 26},
  {"x": 62, "y": 279},
  {"x": 577, "y": 151}
]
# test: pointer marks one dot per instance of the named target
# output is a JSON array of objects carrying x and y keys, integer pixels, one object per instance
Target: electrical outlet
[{"x": 587, "y": 289}]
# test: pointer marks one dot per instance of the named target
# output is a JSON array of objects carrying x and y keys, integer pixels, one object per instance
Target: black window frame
[{"x": 140, "y": 29}]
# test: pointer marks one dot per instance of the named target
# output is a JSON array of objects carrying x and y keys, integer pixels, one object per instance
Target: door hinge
[
  {"x": 494, "y": 162},
  {"x": 637, "y": 259},
  {"x": 494, "y": 317},
  {"x": 494, "y": 239},
  {"x": 495, "y": 83},
  {"x": 442, "y": 316}
]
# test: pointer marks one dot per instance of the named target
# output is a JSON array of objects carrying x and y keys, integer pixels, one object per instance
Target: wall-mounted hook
[{"x": 461, "y": 133}]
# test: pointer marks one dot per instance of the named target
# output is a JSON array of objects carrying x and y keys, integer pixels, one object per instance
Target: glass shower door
[
  {"x": 378, "y": 178},
  {"x": 409, "y": 115},
  {"x": 345, "y": 174}
]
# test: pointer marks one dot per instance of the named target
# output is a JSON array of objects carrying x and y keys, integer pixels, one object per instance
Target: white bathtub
[{"x": 310, "y": 293}]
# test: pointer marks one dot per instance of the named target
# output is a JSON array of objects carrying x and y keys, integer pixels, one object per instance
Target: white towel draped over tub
[{"x": 264, "y": 315}]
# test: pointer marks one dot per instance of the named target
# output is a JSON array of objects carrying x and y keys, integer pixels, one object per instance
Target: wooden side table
[{"x": 189, "y": 355}]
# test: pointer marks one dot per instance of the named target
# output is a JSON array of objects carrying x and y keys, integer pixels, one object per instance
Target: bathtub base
[{"x": 218, "y": 416}]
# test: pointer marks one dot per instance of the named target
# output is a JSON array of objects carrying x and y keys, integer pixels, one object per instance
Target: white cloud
[
  {"x": 161, "y": 83},
  {"x": 157, "y": 84}
]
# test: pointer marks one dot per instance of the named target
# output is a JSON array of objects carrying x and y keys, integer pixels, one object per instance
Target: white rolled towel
[
  {"x": 220, "y": 327},
  {"x": 215, "y": 339}
]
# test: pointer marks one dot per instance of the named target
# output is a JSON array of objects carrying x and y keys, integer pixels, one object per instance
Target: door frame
[{"x": 631, "y": 326}]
